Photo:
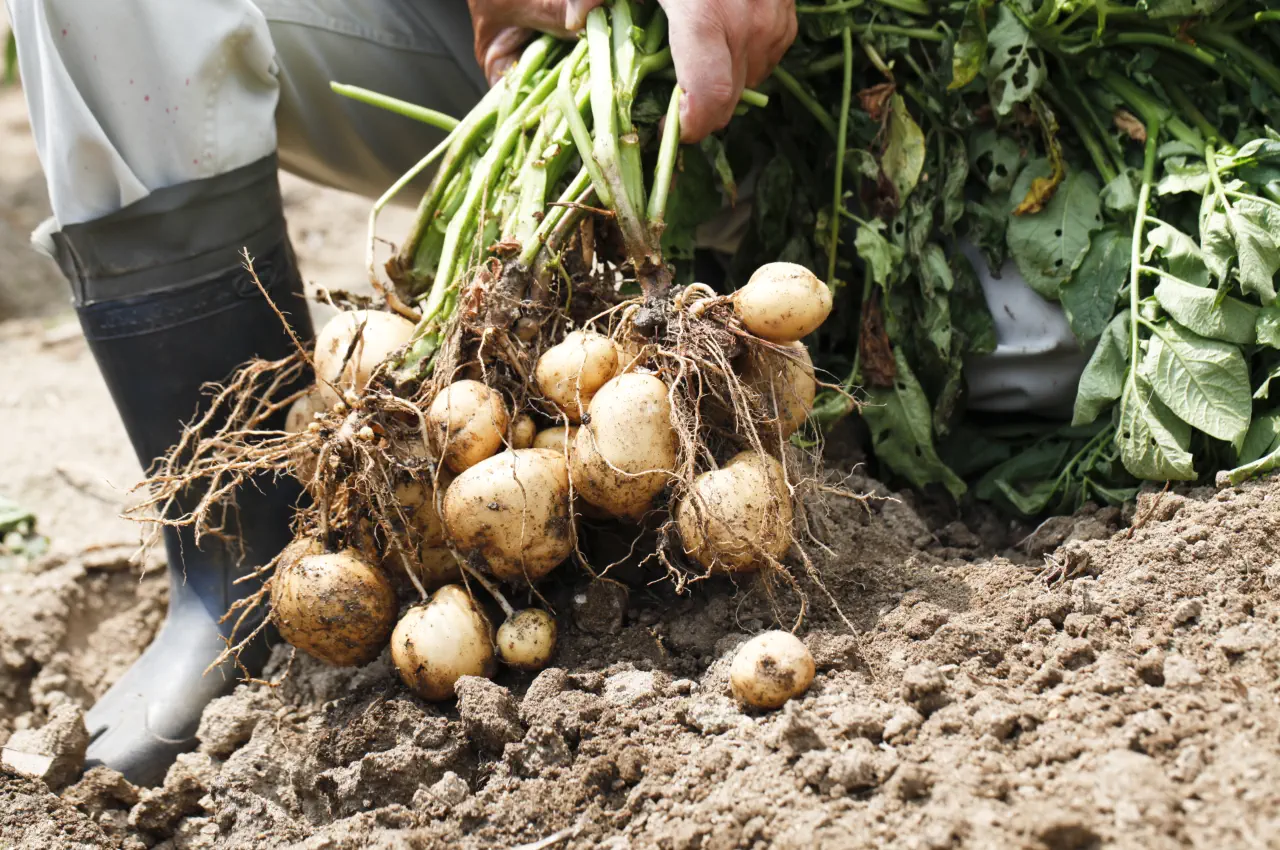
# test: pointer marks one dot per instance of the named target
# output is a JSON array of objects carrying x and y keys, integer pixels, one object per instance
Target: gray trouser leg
[{"x": 415, "y": 50}]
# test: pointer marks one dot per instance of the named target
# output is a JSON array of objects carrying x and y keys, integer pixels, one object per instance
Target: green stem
[
  {"x": 797, "y": 90},
  {"x": 1190, "y": 110},
  {"x": 1151, "y": 111},
  {"x": 1139, "y": 225},
  {"x": 917, "y": 33},
  {"x": 487, "y": 170},
  {"x": 655, "y": 32},
  {"x": 911, "y": 7},
  {"x": 1191, "y": 51},
  {"x": 1232, "y": 45},
  {"x": 624, "y": 54},
  {"x": 533, "y": 58},
  {"x": 1101, "y": 162},
  {"x": 1269, "y": 15},
  {"x": 400, "y": 107},
  {"x": 842, "y": 138},
  {"x": 665, "y": 170},
  {"x": 751, "y": 97},
  {"x": 605, "y": 149},
  {"x": 579, "y": 184}
]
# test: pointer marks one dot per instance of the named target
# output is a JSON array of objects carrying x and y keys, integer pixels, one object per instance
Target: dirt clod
[
  {"x": 489, "y": 713},
  {"x": 53, "y": 753}
]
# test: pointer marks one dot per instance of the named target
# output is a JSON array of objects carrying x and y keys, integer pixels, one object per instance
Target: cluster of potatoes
[{"x": 508, "y": 507}]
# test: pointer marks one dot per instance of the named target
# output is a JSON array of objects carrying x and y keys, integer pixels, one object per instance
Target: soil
[{"x": 1109, "y": 680}]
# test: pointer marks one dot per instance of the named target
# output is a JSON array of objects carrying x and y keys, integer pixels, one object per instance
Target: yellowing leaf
[{"x": 903, "y": 157}]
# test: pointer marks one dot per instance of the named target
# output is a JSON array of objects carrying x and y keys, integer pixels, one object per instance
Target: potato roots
[{"x": 480, "y": 473}]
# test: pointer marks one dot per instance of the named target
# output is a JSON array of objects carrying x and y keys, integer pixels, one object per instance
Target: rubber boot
[{"x": 166, "y": 307}]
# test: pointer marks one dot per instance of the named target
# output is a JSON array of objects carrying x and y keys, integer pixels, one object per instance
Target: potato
[
  {"x": 333, "y": 606},
  {"x": 569, "y": 374},
  {"x": 625, "y": 456},
  {"x": 787, "y": 383},
  {"x": 523, "y": 432},
  {"x": 743, "y": 517},
  {"x": 436, "y": 644},
  {"x": 379, "y": 333},
  {"x": 512, "y": 512},
  {"x": 770, "y": 669},
  {"x": 436, "y": 564},
  {"x": 782, "y": 302},
  {"x": 527, "y": 639},
  {"x": 468, "y": 421},
  {"x": 554, "y": 438},
  {"x": 300, "y": 416}
]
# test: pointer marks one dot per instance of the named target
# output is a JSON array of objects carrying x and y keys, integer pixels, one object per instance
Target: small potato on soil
[
  {"x": 625, "y": 455},
  {"x": 738, "y": 517},
  {"x": 570, "y": 373},
  {"x": 770, "y": 669},
  {"x": 379, "y": 334},
  {"x": 527, "y": 640},
  {"x": 511, "y": 512},
  {"x": 786, "y": 382},
  {"x": 333, "y": 606},
  {"x": 436, "y": 644},
  {"x": 783, "y": 302},
  {"x": 468, "y": 421}
]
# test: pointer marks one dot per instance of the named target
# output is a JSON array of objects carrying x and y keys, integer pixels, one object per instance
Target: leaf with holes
[
  {"x": 1048, "y": 245},
  {"x": 1103, "y": 378},
  {"x": 1154, "y": 444},
  {"x": 1015, "y": 68},
  {"x": 1205, "y": 382},
  {"x": 901, "y": 426},
  {"x": 996, "y": 159}
]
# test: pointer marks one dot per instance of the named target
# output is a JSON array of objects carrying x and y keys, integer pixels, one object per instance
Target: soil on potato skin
[{"x": 1110, "y": 681}]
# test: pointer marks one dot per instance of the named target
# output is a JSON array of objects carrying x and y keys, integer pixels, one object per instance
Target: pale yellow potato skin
[
  {"x": 782, "y": 302},
  {"x": 554, "y": 438},
  {"x": 512, "y": 513},
  {"x": 335, "y": 606},
  {"x": 527, "y": 640},
  {"x": 468, "y": 421},
  {"x": 382, "y": 334},
  {"x": 436, "y": 644},
  {"x": 770, "y": 669},
  {"x": 626, "y": 454},
  {"x": 735, "y": 516},
  {"x": 523, "y": 432},
  {"x": 436, "y": 564},
  {"x": 786, "y": 382},
  {"x": 571, "y": 372}
]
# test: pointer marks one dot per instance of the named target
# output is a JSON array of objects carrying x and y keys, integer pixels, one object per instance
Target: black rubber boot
[{"x": 166, "y": 307}]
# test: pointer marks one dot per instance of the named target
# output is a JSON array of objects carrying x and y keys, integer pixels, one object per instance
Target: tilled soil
[{"x": 1108, "y": 681}]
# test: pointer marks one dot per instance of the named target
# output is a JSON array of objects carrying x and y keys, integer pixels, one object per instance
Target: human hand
[
  {"x": 503, "y": 27},
  {"x": 719, "y": 48}
]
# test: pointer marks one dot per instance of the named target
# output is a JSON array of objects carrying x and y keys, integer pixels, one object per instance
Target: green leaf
[
  {"x": 1154, "y": 444},
  {"x": 957, "y": 174},
  {"x": 971, "y": 45},
  {"x": 1089, "y": 297},
  {"x": 903, "y": 157},
  {"x": 1267, "y": 328},
  {"x": 1207, "y": 312},
  {"x": 1016, "y": 66},
  {"x": 1263, "y": 438},
  {"x": 884, "y": 258},
  {"x": 1180, "y": 253},
  {"x": 1180, "y": 176},
  {"x": 1241, "y": 232},
  {"x": 902, "y": 431},
  {"x": 1102, "y": 381},
  {"x": 694, "y": 198},
  {"x": 1049, "y": 244},
  {"x": 1120, "y": 196},
  {"x": 1205, "y": 382},
  {"x": 771, "y": 203},
  {"x": 713, "y": 150},
  {"x": 936, "y": 283},
  {"x": 1038, "y": 465}
]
